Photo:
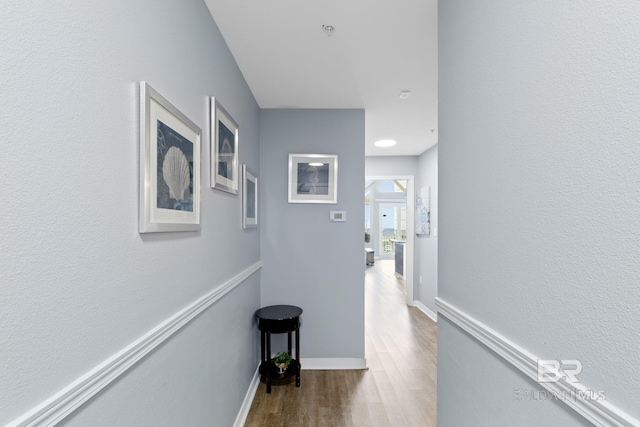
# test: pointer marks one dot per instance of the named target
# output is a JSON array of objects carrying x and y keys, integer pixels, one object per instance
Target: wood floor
[{"x": 398, "y": 389}]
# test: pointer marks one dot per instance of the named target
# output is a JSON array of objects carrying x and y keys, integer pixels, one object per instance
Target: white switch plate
[{"x": 338, "y": 216}]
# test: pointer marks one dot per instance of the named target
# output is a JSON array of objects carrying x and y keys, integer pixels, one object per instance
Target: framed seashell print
[
  {"x": 224, "y": 149},
  {"x": 169, "y": 166}
]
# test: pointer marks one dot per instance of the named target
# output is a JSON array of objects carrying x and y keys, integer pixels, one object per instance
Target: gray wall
[
  {"x": 539, "y": 195},
  {"x": 309, "y": 261},
  {"x": 78, "y": 282},
  {"x": 427, "y": 246},
  {"x": 390, "y": 165}
]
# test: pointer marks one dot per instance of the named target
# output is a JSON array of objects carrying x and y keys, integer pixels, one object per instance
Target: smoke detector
[{"x": 328, "y": 29}]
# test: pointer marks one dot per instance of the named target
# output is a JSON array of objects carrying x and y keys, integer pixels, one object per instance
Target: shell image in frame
[{"x": 175, "y": 171}]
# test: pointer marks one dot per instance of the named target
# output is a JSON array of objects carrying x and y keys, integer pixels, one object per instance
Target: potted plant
[{"x": 282, "y": 361}]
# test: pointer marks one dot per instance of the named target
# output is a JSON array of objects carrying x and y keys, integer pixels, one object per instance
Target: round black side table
[{"x": 278, "y": 319}]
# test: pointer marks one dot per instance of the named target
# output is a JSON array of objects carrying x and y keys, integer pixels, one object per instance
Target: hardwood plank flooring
[{"x": 397, "y": 389}]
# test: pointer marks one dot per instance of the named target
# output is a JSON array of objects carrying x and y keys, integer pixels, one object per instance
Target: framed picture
[
  {"x": 169, "y": 166},
  {"x": 249, "y": 198},
  {"x": 423, "y": 211},
  {"x": 313, "y": 178},
  {"x": 224, "y": 149}
]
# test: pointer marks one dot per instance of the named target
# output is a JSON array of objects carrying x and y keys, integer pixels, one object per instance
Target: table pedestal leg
[
  {"x": 268, "y": 362},
  {"x": 297, "y": 354}
]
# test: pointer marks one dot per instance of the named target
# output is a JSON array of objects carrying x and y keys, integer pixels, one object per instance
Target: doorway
[
  {"x": 389, "y": 220},
  {"x": 393, "y": 227}
]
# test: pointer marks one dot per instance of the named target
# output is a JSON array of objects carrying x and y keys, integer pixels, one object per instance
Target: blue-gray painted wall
[
  {"x": 539, "y": 199},
  {"x": 77, "y": 281},
  {"x": 308, "y": 260}
]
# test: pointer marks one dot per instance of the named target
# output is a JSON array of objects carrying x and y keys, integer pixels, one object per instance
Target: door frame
[{"x": 410, "y": 248}]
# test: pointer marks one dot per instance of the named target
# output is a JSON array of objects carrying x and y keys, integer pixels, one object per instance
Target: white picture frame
[
  {"x": 313, "y": 178},
  {"x": 169, "y": 193},
  {"x": 224, "y": 149},
  {"x": 249, "y": 198}
]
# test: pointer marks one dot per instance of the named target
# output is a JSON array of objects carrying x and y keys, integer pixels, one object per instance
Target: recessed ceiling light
[
  {"x": 385, "y": 143},
  {"x": 404, "y": 94}
]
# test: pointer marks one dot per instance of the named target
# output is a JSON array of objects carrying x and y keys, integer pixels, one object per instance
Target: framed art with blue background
[
  {"x": 313, "y": 178},
  {"x": 169, "y": 166},
  {"x": 224, "y": 149},
  {"x": 249, "y": 198}
]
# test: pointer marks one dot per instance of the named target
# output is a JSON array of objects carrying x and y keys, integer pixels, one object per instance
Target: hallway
[{"x": 398, "y": 389}]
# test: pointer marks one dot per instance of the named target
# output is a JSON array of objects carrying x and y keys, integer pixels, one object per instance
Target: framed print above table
[
  {"x": 249, "y": 198},
  {"x": 169, "y": 166},
  {"x": 313, "y": 178},
  {"x": 224, "y": 149}
]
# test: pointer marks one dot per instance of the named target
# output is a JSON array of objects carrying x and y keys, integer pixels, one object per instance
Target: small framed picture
[
  {"x": 224, "y": 149},
  {"x": 249, "y": 198},
  {"x": 169, "y": 166},
  {"x": 313, "y": 178}
]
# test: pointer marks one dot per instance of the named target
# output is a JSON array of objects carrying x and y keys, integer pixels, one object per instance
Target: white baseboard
[
  {"x": 332, "y": 363},
  {"x": 599, "y": 412},
  {"x": 423, "y": 308},
  {"x": 66, "y": 401},
  {"x": 248, "y": 400}
]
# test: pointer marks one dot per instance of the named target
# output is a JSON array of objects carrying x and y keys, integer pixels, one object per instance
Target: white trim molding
[
  {"x": 312, "y": 364},
  {"x": 66, "y": 401},
  {"x": 423, "y": 308},
  {"x": 248, "y": 399},
  {"x": 598, "y": 412}
]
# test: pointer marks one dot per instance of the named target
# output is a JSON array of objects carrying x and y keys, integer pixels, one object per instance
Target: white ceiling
[{"x": 378, "y": 48}]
